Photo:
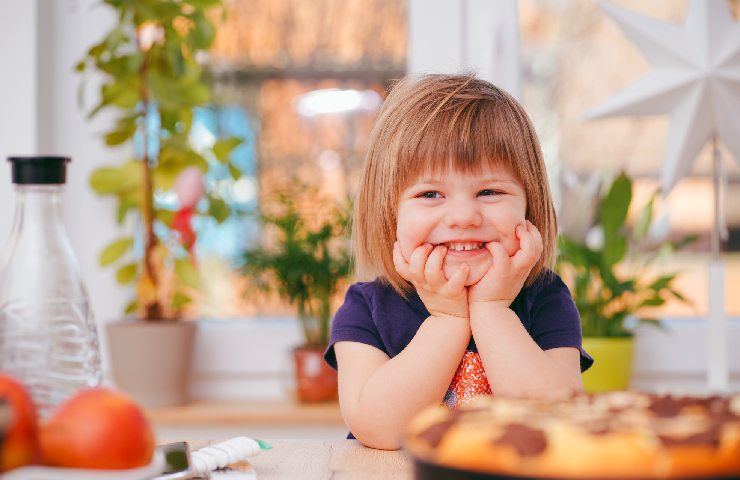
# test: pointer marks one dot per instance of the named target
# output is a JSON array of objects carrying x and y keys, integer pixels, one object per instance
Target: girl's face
[{"x": 463, "y": 212}]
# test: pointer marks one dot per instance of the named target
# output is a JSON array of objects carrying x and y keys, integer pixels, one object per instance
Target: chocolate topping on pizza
[
  {"x": 433, "y": 435},
  {"x": 611, "y": 435},
  {"x": 526, "y": 441}
]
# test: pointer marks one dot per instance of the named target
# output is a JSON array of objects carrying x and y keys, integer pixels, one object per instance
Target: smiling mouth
[{"x": 464, "y": 246}]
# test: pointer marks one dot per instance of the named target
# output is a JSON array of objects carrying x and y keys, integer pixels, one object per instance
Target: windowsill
[{"x": 247, "y": 413}]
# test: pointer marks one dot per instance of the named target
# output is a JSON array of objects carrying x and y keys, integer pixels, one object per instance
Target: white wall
[
  {"x": 676, "y": 357},
  {"x": 70, "y": 28},
  {"x": 453, "y": 36},
  {"x": 41, "y": 42},
  {"x": 17, "y": 95}
]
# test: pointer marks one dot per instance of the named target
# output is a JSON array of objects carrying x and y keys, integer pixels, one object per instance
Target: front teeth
[{"x": 463, "y": 246}]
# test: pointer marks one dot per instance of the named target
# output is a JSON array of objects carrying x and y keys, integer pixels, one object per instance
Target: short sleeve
[
  {"x": 353, "y": 322},
  {"x": 555, "y": 320}
]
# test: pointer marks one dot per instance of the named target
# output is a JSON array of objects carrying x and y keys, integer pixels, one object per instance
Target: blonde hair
[{"x": 433, "y": 123}]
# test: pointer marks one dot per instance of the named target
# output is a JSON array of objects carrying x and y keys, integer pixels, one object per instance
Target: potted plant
[
  {"x": 609, "y": 275},
  {"x": 304, "y": 260},
  {"x": 153, "y": 82}
]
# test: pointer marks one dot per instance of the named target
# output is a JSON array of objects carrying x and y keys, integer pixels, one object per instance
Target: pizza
[{"x": 614, "y": 435}]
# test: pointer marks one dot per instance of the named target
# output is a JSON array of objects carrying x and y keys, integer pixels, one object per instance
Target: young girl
[{"x": 455, "y": 222}]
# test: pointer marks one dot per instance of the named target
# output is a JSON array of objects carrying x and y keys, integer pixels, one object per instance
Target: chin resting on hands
[
  {"x": 441, "y": 297},
  {"x": 504, "y": 279}
]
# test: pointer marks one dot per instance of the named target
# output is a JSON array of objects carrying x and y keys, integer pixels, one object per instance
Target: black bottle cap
[{"x": 39, "y": 170}]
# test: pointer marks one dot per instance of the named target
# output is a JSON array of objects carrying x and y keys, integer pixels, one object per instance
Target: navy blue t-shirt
[{"x": 374, "y": 314}]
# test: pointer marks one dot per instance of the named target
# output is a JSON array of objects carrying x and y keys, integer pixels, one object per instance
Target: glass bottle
[{"x": 48, "y": 337}]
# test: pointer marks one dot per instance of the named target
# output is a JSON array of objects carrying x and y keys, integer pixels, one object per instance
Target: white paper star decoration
[{"x": 695, "y": 78}]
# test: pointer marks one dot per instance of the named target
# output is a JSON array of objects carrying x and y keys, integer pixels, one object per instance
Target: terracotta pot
[
  {"x": 315, "y": 380},
  {"x": 151, "y": 360}
]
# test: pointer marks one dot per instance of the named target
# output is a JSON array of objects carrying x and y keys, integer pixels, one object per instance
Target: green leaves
[
  {"x": 164, "y": 216},
  {"x": 614, "y": 250},
  {"x": 222, "y": 148},
  {"x": 131, "y": 307},
  {"x": 614, "y": 207},
  {"x": 576, "y": 253},
  {"x": 174, "y": 157},
  {"x": 115, "y": 250},
  {"x": 661, "y": 282},
  {"x": 122, "y": 92},
  {"x": 126, "y": 203},
  {"x": 611, "y": 283},
  {"x": 173, "y": 92},
  {"x": 151, "y": 77},
  {"x": 186, "y": 272},
  {"x": 179, "y": 300},
  {"x": 645, "y": 219},
  {"x": 612, "y": 215},
  {"x": 304, "y": 264},
  {"x": 202, "y": 34},
  {"x": 125, "y": 129},
  {"x": 218, "y": 209},
  {"x": 234, "y": 171},
  {"x": 205, "y": 4},
  {"x": 127, "y": 273},
  {"x": 117, "y": 180}
]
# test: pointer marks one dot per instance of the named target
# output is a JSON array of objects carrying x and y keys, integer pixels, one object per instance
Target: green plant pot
[{"x": 612, "y": 368}]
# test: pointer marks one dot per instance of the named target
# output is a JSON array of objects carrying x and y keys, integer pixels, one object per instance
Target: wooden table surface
[
  {"x": 329, "y": 459},
  {"x": 215, "y": 413}
]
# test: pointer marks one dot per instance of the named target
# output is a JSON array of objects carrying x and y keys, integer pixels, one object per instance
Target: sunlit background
[
  {"x": 301, "y": 82},
  {"x": 305, "y": 99}
]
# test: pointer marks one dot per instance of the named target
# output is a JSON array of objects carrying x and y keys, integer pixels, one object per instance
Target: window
[
  {"x": 574, "y": 57},
  {"x": 302, "y": 82}
]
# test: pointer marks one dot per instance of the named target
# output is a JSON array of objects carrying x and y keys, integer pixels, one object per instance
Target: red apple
[
  {"x": 20, "y": 444},
  {"x": 97, "y": 428}
]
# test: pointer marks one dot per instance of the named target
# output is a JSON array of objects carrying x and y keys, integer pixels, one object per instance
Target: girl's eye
[
  {"x": 430, "y": 194},
  {"x": 488, "y": 192}
]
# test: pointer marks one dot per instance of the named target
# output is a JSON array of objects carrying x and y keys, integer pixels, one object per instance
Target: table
[
  {"x": 330, "y": 459},
  {"x": 205, "y": 420}
]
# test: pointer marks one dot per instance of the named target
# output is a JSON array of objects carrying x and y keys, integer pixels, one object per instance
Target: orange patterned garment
[{"x": 470, "y": 381}]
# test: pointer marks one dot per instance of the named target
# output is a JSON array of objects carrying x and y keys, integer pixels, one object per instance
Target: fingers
[
  {"x": 433, "y": 268},
  {"x": 418, "y": 260},
  {"x": 530, "y": 250},
  {"x": 499, "y": 254},
  {"x": 402, "y": 266},
  {"x": 435, "y": 275},
  {"x": 458, "y": 279},
  {"x": 425, "y": 268},
  {"x": 530, "y": 247}
]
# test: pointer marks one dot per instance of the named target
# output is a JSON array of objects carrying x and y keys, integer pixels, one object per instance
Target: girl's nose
[{"x": 463, "y": 214}]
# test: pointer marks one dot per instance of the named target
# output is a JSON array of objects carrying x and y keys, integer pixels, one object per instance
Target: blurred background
[{"x": 301, "y": 82}]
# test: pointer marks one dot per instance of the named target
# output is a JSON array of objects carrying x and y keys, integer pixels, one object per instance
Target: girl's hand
[
  {"x": 442, "y": 297},
  {"x": 504, "y": 279}
]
